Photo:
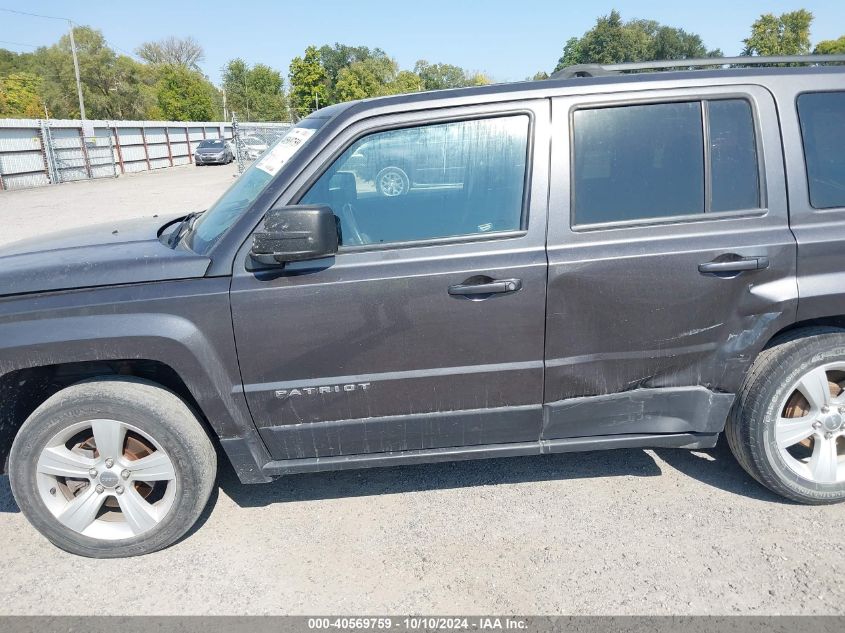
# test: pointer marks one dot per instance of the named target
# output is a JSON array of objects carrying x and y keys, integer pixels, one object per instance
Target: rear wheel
[
  {"x": 112, "y": 467},
  {"x": 787, "y": 428}
]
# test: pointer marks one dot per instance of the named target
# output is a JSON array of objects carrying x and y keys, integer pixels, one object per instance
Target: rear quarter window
[{"x": 822, "y": 117}]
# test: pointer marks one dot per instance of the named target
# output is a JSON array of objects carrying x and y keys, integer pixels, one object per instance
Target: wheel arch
[
  {"x": 24, "y": 390},
  {"x": 44, "y": 355}
]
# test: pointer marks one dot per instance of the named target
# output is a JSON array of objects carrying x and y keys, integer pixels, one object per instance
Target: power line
[
  {"x": 19, "y": 44},
  {"x": 72, "y": 51},
  {"x": 34, "y": 15},
  {"x": 53, "y": 17}
]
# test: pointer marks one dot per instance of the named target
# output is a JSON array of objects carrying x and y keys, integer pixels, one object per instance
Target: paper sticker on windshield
[{"x": 273, "y": 160}]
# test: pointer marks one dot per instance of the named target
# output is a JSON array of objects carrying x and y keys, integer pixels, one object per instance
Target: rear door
[
  {"x": 671, "y": 262},
  {"x": 426, "y": 330}
]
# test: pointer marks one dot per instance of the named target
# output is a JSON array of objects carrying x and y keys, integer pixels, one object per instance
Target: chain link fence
[{"x": 251, "y": 140}]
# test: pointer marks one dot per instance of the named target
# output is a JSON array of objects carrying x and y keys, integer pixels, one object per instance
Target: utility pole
[
  {"x": 72, "y": 52},
  {"x": 76, "y": 72},
  {"x": 225, "y": 111}
]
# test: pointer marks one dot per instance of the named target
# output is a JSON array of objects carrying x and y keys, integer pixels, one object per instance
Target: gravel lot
[{"x": 622, "y": 532}]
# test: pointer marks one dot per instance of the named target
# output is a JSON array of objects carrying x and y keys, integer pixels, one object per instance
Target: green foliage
[
  {"x": 19, "y": 96},
  {"x": 787, "y": 34},
  {"x": 442, "y": 76},
  {"x": 831, "y": 47},
  {"x": 335, "y": 58},
  {"x": 185, "y": 95},
  {"x": 368, "y": 78},
  {"x": 254, "y": 94},
  {"x": 11, "y": 62},
  {"x": 613, "y": 40},
  {"x": 308, "y": 83},
  {"x": 111, "y": 83},
  {"x": 404, "y": 83}
]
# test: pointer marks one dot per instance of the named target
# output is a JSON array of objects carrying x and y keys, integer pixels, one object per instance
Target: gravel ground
[
  {"x": 29, "y": 212},
  {"x": 622, "y": 532}
]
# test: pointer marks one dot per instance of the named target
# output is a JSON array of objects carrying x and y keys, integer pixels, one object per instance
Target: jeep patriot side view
[{"x": 594, "y": 261}]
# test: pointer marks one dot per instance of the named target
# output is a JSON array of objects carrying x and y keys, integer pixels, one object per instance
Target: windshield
[
  {"x": 211, "y": 144},
  {"x": 212, "y": 224}
]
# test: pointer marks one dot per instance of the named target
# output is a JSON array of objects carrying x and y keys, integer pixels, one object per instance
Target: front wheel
[
  {"x": 787, "y": 428},
  {"x": 112, "y": 467}
]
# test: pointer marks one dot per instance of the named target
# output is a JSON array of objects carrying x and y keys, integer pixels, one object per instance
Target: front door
[
  {"x": 671, "y": 262},
  {"x": 426, "y": 330}
]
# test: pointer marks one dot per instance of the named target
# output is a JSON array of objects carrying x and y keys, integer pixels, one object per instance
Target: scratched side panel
[{"x": 627, "y": 307}]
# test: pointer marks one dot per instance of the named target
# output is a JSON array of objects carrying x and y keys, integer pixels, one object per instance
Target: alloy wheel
[
  {"x": 810, "y": 428},
  {"x": 106, "y": 479}
]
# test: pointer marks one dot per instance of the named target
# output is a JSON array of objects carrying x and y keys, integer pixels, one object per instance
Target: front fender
[{"x": 185, "y": 325}]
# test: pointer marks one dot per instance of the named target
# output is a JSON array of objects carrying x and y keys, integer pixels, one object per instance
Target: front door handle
[
  {"x": 487, "y": 288},
  {"x": 735, "y": 265}
]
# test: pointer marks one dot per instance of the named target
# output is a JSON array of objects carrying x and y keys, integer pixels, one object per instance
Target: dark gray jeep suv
[{"x": 629, "y": 260}]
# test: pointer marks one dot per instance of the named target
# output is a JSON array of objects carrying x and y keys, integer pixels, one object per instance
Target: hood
[{"x": 109, "y": 254}]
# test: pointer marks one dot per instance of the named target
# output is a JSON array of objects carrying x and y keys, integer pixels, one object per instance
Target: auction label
[{"x": 273, "y": 160}]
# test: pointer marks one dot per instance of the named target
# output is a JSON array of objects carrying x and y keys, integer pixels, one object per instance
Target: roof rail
[{"x": 600, "y": 70}]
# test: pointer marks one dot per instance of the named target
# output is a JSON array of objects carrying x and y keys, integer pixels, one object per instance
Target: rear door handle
[
  {"x": 489, "y": 288},
  {"x": 735, "y": 265}
]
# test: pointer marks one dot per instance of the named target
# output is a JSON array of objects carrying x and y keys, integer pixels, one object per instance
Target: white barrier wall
[{"x": 36, "y": 152}]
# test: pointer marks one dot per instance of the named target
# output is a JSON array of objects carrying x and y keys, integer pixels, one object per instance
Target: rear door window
[
  {"x": 822, "y": 117},
  {"x": 649, "y": 161},
  {"x": 644, "y": 161}
]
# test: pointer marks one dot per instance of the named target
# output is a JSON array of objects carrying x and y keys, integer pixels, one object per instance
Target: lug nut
[
  {"x": 817, "y": 425},
  {"x": 125, "y": 474},
  {"x": 100, "y": 488},
  {"x": 92, "y": 472},
  {"x": 828, "y": 435},
  {"x": 825, "y": 409},
  {"x": 119, "y": 490},
  {"x": 109, "y": 462}
]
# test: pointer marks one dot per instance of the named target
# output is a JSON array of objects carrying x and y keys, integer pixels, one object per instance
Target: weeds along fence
[{"x": 38, "y": 152}]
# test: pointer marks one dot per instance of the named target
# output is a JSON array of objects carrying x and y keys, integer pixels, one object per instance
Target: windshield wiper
[{"x": 186, "y": 223}]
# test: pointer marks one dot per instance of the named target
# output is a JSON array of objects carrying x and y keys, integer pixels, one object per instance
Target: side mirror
[{"x": 295, "y": 233}]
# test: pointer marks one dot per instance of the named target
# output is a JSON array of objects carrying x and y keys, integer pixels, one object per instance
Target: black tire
[
  {"x": 154, "y": 410},
  {"x": 750, "y": 427}
]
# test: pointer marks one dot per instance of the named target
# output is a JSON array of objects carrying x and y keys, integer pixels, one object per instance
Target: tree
[
  {"x": 185, "y": 95},
  {"x": 11, "y": 62},
  {"x": 787, "y": 34},
  {"x": 19, "y": 96},
  {"x": 185, "y": 52},
  {"x": 613, "y": 41},
  {"x": 404, "y": 83},
  {"x": 442, "y": 76},
  {"x": 111, "y": 83},
  {"x": 830, "y": 47},
  {"x": 255, "y": 94},
  {"x": 368, "y": 78},
  {"x": 335, "y": 58},
  {"x": 308, "y": 83}
]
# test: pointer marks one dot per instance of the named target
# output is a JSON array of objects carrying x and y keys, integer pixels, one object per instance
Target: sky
[{"x": 507, "y": 40}]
